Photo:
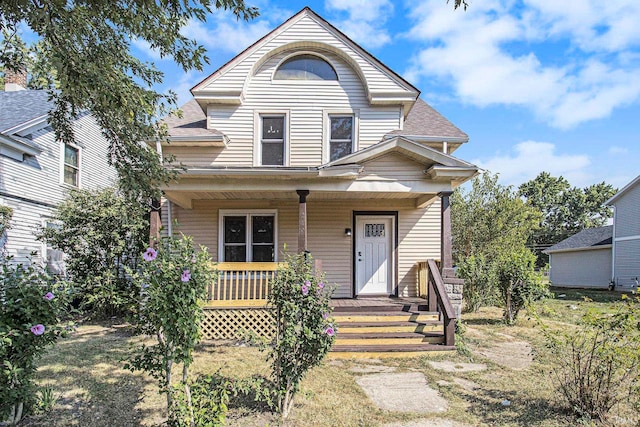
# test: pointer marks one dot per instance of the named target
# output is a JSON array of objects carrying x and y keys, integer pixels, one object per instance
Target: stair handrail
[{"x": 438, "y": 298}]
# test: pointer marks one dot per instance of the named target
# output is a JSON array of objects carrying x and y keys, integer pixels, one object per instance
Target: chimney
[{"x": 14, "y": 81}]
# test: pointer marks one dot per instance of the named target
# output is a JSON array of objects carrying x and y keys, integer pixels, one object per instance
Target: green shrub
[
  {"x": 304, "y": 328},
  {"x": 101, "y": 233},
  {"x": 517, "y": 281},
  {"x": 479, "y": 282},
  {"x": 597, "y": 366},
  {"x": 209, "y": 396},
  {"x": 173, "y": 279},
  {"x": 32, "y": 306}
]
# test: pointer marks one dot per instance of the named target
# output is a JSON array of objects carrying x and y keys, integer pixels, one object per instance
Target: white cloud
[
  {"x": 490, "y": 55},
  {"x": 615, "y": 150},
  {"x": 529, "y": 158},
  {"x": 144, "y": 47},
  {"x": 365, "y": 22},
  {"x": 184, "y": 84}
]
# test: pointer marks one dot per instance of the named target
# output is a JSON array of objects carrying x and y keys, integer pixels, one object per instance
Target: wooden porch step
[
  {"x": 388, "y": 338},
  {"x": 338, "y": 348},
  {"x": 389, "y": 327},
  {"x": 385, "y": 317},
  {"x": 378, "y": 308}
]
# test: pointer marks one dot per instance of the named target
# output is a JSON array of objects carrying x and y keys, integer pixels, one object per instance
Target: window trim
[
  {"x": 247, "y": 213},
  {"x": 257, "y": 132},
  {"x": 326, "y": 140},
  {"x": 63, "y": 164},
  {"x": 304, "y": 82}
]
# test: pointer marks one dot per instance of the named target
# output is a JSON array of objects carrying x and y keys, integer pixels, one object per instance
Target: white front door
[{"x": 374, "y": 254}]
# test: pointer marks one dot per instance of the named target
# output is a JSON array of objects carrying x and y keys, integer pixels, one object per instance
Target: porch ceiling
[{"x": 185, "y": 199}]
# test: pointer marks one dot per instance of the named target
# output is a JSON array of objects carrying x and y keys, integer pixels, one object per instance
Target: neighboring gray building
[
  {"x": 37, "y": 171},
  {"x": 582, "y": 260},
  {"x": 626, "y": 236}
]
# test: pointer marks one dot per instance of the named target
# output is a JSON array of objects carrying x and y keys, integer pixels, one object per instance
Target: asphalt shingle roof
[
  {"x": 192, "y": 123},
  {"x": 589, "y": 237},
  {"x": 21, "y": 106},
  {"x": 424, "y": 120}
]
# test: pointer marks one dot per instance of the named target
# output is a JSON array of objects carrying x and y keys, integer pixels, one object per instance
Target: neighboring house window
[
  {"x": 71, "y": 165},
  {"x": 54, "y": 257},
  {"x": 272, "y": 140},
  {"x": 248, "y": 237},
  {"x": 340, "y": 136},
  {"x": 305, "y": 67}
]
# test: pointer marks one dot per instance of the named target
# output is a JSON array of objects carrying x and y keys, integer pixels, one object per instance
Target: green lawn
[{"x": 92, "y": 389}]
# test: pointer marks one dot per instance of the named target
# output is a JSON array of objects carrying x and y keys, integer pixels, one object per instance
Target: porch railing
[
  {"x": 242, "y": 284},
  {"x": 438, "y": 300}
]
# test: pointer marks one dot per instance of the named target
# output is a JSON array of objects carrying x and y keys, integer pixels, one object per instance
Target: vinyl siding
[
  {"x": 627, "y": 213},
  {"x": 581, "y": 269},
  {"x": 307, "y": 105},
  {"x": 418, "y": 234},
  {"x": 627, "y": 263},
  {"x": 39, "y": 180}
]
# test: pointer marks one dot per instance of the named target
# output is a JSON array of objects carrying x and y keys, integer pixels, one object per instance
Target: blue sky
[{"x": 539, "y": 85}]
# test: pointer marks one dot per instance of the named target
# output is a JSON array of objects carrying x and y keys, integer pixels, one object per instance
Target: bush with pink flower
[
  {"x": 305, "y": 330},
  {"x": 173, "y": 280},
  {"x": 30, "y": 322}
]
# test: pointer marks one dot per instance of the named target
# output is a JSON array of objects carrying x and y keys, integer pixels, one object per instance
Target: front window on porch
[{"x": 248, "y": 238}]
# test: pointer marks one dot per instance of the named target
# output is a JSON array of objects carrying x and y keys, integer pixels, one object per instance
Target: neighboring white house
[
  {"x": 626, "y": 236},
  {"x": 582, "y": 260},
  {"x": 37, "y": 171},
  {"x": 306, "y": 140}
]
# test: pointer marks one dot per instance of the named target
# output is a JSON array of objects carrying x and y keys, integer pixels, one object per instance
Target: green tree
[
  {"x": 87, "y": 43},
  {"x": 565, "y": 210},
  {"x": 101, "y": 232},
  {"x": 486, "y": 221}
]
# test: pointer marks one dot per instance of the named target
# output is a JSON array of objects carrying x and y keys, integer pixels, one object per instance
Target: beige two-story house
[{"x": 305, "y": 141}]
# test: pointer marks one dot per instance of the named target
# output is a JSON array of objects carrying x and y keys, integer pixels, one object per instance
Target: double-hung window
[
  {"x": 248, "y": 237},
  {"x": 71, "y": 165},
  {"x": 340, "y": 136},
  {"x": 272, "y": 139}
]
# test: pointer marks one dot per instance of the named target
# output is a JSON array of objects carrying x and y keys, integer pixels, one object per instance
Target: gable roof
[
  {"x": 585, "y": 239},
  {"x": 423, "y": 120},
  {"x": 234, "y": 95},
  {"x": 192, "y": 126},
  {"x": 21, "y": 107},
  {"x": 626, "y": 188}
]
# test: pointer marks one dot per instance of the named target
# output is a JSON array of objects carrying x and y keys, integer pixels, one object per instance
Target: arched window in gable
[{"x": 305, "y": 67}]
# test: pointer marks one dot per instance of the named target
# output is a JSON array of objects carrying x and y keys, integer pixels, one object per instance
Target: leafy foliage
[
  {"x": 597, "y": 366},
  {"x": 565, "y": 210},
  {"x": 517, "y": 282},
  {"x": 5, "y": 219},
  {"x": 488, "y": 223},
  {"x": 209, "y": 398},
  {"x": 101, "y": 232},
  {"x": 88, "y": 44},
  {"x": 173, "y": 281},
  {"x": 305, "y": 331},
  {"x": 30, "y": 321}
]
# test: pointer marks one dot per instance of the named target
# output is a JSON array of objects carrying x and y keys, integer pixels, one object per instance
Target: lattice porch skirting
[{"x": 231, "y": 323}]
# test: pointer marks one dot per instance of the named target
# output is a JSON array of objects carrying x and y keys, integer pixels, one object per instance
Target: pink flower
[
  {"x": 329, "y": 331},
  {"x": 320, "y": 285},
  {"x": 150, "y": 254},
  {"x": 305, "y": 289},
  {"x": 186, "y": 275},
  {"x": 325, "y": 316},
  {"x": 49, "y": 296},
  {"x": 37, "y": 329}
]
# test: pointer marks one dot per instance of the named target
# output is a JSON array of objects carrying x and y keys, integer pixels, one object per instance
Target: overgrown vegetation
[
  {"x": 304, "y": 327},
  {"x": 30, "y": 321},
  {"x": 173, "y": 280},
  {"x": 597, "y": 365},
  {"x": 102, "y": 233},
  {"x": 490, "y": 227}
]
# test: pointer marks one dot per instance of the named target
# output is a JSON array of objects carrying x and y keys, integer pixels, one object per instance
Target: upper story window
[
  {"x": 305, "y": 67},
  {"x": 340, "y": 136},
  {"x": 71, "y": 165},
  {"x": 272, "y": 139}
]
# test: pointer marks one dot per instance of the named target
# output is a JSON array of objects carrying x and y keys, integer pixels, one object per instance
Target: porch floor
[{"x": 379, "y": 303}]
